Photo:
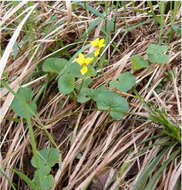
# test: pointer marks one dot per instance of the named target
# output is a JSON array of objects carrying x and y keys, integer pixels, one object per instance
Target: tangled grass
[{"x": 96, "y": 152}]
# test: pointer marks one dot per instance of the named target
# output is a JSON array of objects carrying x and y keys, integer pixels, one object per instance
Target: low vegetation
[{"x": 90, "y": 95}]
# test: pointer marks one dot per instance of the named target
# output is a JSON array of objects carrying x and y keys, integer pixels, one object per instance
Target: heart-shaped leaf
[
  {"x": 45, "y": 157},
  {"x": 84, "y": 95},
  {"x": 66, "y": 84},
  {"x": 124, "y": 82},
  {"x": 156, "y": 54},
  {"x": 72, "y": 69},
  {"x": 138, "y": 63},
  {"x": 23, "y": 104},
  {"x": 45, "y": 170},
  {"x": 112, "y": 102},
  {"x": 54, "y": 64},
  {"x": 91, "y": 71},
  {"x": 42, "y": 180}
]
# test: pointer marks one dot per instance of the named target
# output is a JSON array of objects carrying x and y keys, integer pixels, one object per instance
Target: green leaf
[
  {"x": 54, "y": 64},
  {"x": 84, "y": 95},
  {"x": 154, "y": 49},
  {"x": 43, "y": 179},
  {"x": 124, "y": 83},
  {"x": 109, "y": 25},
  {"x": 91, "y": 26},
  {"x": 91, "y": 71},
  {"x": 73, "y": 69},
  {"x": 44, "y": 182},
  {"x": 90, "y": 8},
  {"x": 156, "y": 54},
  {"x": 159, "y": 59},
  {"x": 66, "y": 84},
  {"x": 84, "y": 83},
  {"x": 138, "y": 63},
  {"x": 110, "y": 101},
  {"x": 45, "y": 157},
  {"x": 45, "y": 170},
  {"x": 118, "y": 106},
  {"x": 23, "y": 104},
  {"x": 177, "y": 29}
]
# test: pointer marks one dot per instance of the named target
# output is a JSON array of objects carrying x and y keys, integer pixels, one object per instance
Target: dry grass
[{"x": 93, "y": 146}]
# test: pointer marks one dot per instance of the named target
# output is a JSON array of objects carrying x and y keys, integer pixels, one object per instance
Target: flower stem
[{"x": 32, "y": 137}]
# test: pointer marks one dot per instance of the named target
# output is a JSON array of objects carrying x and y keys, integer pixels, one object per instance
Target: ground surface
[{"x": 142, "y": 150}]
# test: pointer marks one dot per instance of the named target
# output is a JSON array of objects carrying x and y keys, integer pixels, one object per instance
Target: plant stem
[
  {"x": 81, "y": 86},
  {"x": 32, "y": 137}
]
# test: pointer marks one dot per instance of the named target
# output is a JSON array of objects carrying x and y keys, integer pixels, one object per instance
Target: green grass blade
[
  {"x": 162, "y": 19},
  {"x": 153, "y": 182},
  {"x": 26, "y": 179},
  {"x": 129, "y": 29},
  {"x": 91, "y": 26},
  {"x": 142, "y": 180},
  {"x": 91, "y": 9},
  {"x": 149, "y": 3}
]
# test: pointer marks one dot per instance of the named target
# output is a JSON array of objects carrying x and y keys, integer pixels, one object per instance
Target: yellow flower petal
[
  {"x": 95, "y": 42},
  {"x": 81, "y": 59},
  {"x": 88, "y": 60},
  {"x": 98, "y": 43},
  {"x": 97, "y": 51},
  {"x": 101, "y": 43},
  {"x": 84, "y": 70}
]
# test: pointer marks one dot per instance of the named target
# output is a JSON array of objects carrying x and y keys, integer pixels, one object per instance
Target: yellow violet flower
[
  {"x": 84, "y": 70},
  {"x": 80, "y": 60},
  {"x": 98, "y": 44},
  {"x": 83, "y": 61},
  {"x": 96, "y": 53}
]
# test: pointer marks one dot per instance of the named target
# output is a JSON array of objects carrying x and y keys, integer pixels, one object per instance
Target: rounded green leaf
[
  {"x": 112, "y": 102},
  {"x": 158, "y": 58},
  {"x": 84, "y": 95},
  {"x": 23, "y": 104},
  {"x": 54, "y": 64},
  {"x": 138, "y": 63},
  {"x": 46, "y": 182},
  {"x": 73, "y": 69},
  {"x": 66, "y": 84},
  {"x": 43, "y": 181},
  {"x": 156, "y": 49},
  {"x": 119, "y": 107},
  {"x": 124, "y": 82},
  {"x": 45, "y": 157},
  {"x": 156, "y": 54},
  {"x": 91, "y": 71},
  {"x": 44, "y": 170}
]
